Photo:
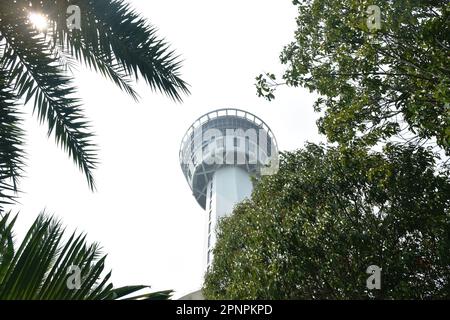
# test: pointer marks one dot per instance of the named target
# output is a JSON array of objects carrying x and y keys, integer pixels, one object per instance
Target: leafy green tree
[
  {"x": 40, "y": 268},
  {"x": 373, "y": 83},
  {"x": 312, "y": 230},
  {"x": 112, "y": 40}
]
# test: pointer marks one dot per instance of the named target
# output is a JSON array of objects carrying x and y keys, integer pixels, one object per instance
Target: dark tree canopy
[
  {"x": 373, "y": 83},
  {"x": 312, "y": 230}
]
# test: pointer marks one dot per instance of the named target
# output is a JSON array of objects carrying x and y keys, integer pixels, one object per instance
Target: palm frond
[
  {"x": 6, "y": 241},
  {"x": 35, "y": 73},
  {"x": 113, "y": 33},
  {"x": 113, "y": 40},
  {"x": 160, "y": 295},
  {"x": 99, "y": 62},
  {"x": 11, "y": 143},
  {"x": 135, "y": 44},
  {"x": 38, "y": 269}
]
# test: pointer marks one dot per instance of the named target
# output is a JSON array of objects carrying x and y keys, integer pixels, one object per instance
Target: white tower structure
[{"x": 219, "y": 154}]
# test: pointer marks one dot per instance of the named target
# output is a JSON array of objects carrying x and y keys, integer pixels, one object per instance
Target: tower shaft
[
  {"x": 219, "y": 154},
  {"x": 228, "y": 187}
]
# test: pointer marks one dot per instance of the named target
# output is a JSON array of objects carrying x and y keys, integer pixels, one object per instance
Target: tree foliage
[
  {"x": 373, "y": 83},
  {"x": 40, "y": 268},
  {"x": 311, "y": 230}
]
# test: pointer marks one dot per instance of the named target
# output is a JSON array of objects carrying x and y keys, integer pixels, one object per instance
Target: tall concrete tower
[{"x": 219, "y": 154}]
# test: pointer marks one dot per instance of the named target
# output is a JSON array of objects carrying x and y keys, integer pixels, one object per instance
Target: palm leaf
[
  {"x": 113, "y": 40},
  {"x": 38, "y": 269},
  {"x": 113, "y": 34},
  {"x": 34, "y": 72},
  {"x": 11, "y": 143}
]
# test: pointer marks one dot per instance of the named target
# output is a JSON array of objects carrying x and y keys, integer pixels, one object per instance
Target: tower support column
[{"x": 229, "y": 186}]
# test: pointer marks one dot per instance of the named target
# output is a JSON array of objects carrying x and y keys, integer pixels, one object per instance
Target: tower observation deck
[{"x": 219, "y": 154}]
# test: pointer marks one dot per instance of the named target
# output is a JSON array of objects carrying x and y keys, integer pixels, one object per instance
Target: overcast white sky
[{"x": 143, "y": 213}]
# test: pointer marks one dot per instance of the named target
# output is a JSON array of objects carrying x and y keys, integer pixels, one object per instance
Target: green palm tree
[
  {"x": 41, "y": 267},
  {"x": 112, "y": 40}
]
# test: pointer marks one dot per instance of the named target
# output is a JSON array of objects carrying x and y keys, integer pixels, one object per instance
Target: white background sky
[{"x": 143, "y": 213}]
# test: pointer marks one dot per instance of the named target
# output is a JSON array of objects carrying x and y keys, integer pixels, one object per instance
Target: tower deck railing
[{"x": 185, "y": 154}]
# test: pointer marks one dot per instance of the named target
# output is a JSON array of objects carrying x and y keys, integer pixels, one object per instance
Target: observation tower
[{"x": 219, "y": 154}]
